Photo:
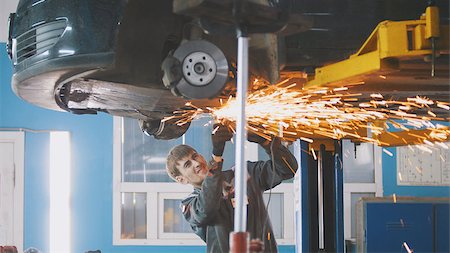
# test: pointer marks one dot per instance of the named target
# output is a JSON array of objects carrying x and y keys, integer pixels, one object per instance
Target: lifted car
[{"x": 145, "y": 59}]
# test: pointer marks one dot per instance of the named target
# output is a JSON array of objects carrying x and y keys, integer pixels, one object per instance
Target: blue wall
[
  {"x": 91, "y": 184},
  {"x": 390, "y": 186}
]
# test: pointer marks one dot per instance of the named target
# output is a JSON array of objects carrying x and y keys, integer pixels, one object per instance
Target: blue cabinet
[
  {"x": 389, "y": 225},
  {"x": 442, "y": 228},
  {"x": 385, "y": 226}
]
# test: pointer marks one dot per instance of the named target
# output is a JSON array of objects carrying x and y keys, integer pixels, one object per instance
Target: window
[
  {"x": 362, "y": 178},
  {"x": 146, "y": 202}
]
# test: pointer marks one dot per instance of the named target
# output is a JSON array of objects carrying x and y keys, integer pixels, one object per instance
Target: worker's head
[{"x": 186, "y": 166}]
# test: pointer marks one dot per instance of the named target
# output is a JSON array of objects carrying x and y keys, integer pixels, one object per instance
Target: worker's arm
[
  {"x": 284, "y": 161},
  {"x": 201, "y": 206}
]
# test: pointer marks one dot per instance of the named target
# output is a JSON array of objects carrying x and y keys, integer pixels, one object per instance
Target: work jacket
[{"x": 209, "y": 209}]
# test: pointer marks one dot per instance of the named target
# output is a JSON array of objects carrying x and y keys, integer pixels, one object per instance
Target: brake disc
[{"x": 204, "y": 68}]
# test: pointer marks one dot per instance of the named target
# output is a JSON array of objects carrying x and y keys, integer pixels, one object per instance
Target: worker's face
[{"x": 193, "y": 169}]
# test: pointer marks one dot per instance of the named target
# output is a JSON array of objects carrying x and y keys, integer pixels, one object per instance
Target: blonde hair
[{"x": 175, "y": 154}]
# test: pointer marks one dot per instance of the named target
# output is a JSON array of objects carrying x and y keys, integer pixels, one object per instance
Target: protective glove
[{"x": 219, "y": 138}]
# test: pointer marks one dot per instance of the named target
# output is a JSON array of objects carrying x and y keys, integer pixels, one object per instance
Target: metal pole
[
  {"x": 320, "y": 193},
  {"x": 433, "y": 56},
  {"x": 338, "y": 197},
  {"x": 299, "y": 199},
  {"x": 240, "y": 211}
]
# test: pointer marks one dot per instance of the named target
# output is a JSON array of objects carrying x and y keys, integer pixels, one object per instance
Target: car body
[{"x": 110, "y": 55}]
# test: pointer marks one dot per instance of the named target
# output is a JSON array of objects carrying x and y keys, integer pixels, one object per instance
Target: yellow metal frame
[{"x": 389, "y": 42}]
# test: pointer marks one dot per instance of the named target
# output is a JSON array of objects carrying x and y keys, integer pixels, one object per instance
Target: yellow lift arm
[{"x": 390, "y": 42}]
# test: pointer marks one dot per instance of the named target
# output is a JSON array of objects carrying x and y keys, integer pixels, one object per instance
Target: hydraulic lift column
[{"x": 322, "y": 199}]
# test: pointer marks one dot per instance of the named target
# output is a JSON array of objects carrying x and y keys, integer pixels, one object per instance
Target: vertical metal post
[
  {"x": 320, "y": 192},
  {"x": 298, "y": 198},
  {"x": 338, "y": 196},
  {"x": 329, "y": 201},
  {"x": 432, "y": 31},
  {"x": 240, "y": 180},
  {"x": 312, "y": 205},
  {"x": 433, "y": 56}
]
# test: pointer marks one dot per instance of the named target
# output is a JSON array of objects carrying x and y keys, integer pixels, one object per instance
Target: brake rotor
[{"x": 204, "y": 68}]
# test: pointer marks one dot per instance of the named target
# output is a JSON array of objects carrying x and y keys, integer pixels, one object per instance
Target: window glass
[
  {"x": 134, "y": 215},
  {"x": 358, "y": 162},
  {"x": 174, "y": 221},
  {"x": 144, "y": 157},
  {"x": 276, "y": 212}
]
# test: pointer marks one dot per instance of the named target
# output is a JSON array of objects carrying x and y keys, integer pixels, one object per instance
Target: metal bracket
[{"x": 389, "y": 43}]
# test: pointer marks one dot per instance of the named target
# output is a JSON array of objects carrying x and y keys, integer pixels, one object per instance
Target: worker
[{"x": 209, "y": 209}]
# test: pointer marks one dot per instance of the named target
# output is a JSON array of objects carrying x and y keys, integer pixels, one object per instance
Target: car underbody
[{"x": 147, "y": 59}]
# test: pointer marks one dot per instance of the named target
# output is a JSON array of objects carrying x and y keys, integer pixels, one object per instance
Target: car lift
[
  {"x": 390, "y": 47},
  {"x": 320, "y": 214}
]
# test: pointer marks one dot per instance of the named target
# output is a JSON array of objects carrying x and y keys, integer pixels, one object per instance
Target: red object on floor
[{"x": 8, "y": 249}]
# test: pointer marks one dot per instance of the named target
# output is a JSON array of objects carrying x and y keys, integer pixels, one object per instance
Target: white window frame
[
  {"x": 157, "y": 192},
  {"x": 161, "y": 234},
  {"x": 287, "y": 189},
  {"x": 350, "y": 188},
  {"x": 18, "y": 140}
]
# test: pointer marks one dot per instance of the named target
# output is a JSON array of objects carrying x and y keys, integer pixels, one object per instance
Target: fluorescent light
[
  {"x": 60, "y": 192},
  {"x": 64, "y": 52}
]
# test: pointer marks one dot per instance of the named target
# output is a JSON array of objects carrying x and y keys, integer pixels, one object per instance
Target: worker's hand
[{"x": 221, "y": 134}]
